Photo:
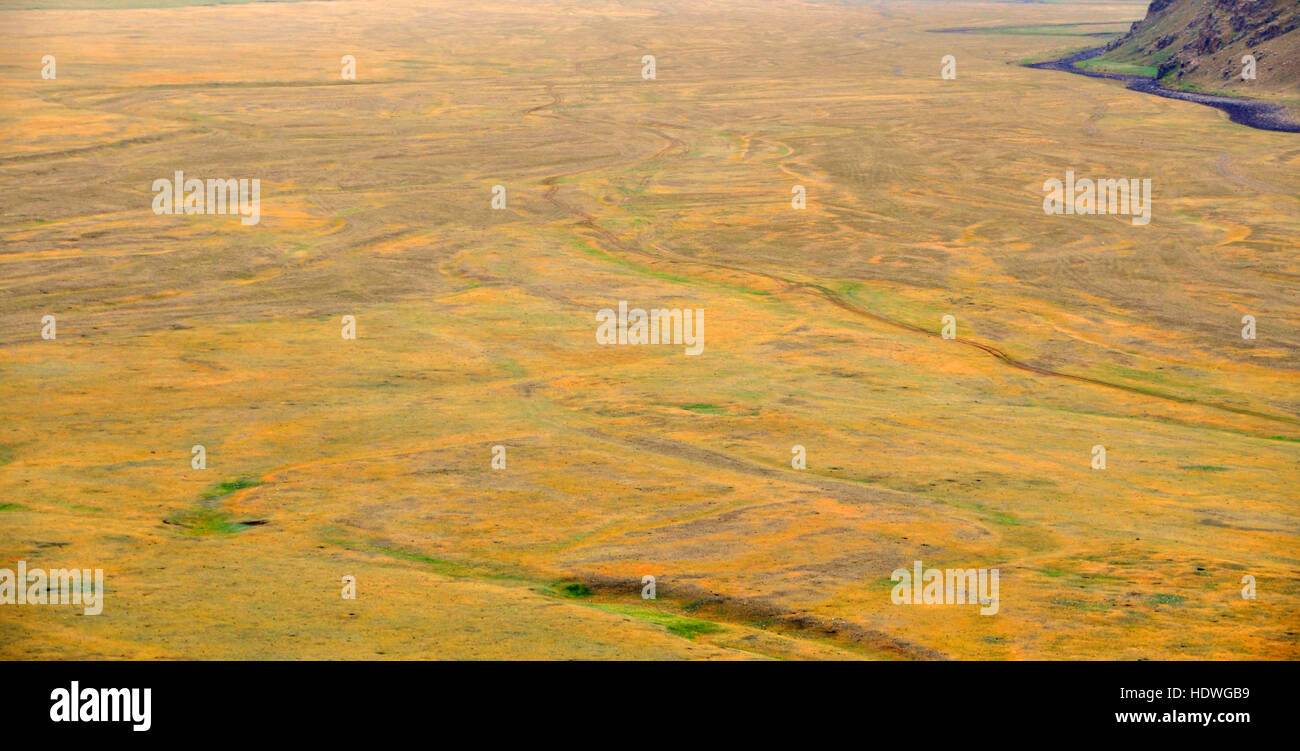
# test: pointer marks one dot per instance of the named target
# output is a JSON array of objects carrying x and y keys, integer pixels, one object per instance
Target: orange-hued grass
[{"x": 371, "y": 458}]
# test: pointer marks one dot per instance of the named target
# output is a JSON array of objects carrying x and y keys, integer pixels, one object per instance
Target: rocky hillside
[{"x": 1199, "y": 44}]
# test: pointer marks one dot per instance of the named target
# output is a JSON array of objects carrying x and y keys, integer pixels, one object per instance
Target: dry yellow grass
[{"x": 476, "y": 328}]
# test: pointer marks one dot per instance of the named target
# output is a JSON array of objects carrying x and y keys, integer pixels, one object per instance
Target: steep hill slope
[{"x": 1199, "y": 44}]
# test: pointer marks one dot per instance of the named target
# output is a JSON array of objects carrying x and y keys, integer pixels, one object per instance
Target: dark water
[{"x": 1249, "y": 112}]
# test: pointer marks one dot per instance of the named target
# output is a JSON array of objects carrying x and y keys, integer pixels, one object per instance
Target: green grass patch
[
  {"x": 679, "y": 625},
  {"x": 1088, "y": 579},
  {"x": 1082, "y": 28},
  {"x": 1102, "y": 65},
  {"x": 440, "y": 565},
  {"x": 1141, "y": 375},
  {"x": 511, "y": 368},
  {"x": 708, "y": 409},
  {"x": 1165, "y": 599},
  {"x": 11, "y": 507},
  {"x": 576, "y": 590},
  {"x": 230, "y": 486},
  {"x": 206, "y": 522},
  {"x": 599, "y": 254},
  {"x": 332, "y": 535},
  {"x": 996, "y": 517},
  {"x": 1082, "y": 605}
]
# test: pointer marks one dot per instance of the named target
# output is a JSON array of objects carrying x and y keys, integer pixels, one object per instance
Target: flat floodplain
[{"x": 476, "y": 328}]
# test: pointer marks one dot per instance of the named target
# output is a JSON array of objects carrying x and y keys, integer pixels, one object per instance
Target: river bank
[{"x": 1249, "y": 112}]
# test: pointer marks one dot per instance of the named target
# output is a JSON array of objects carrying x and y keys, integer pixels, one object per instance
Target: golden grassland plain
[{"x": 475, "y": 328}]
